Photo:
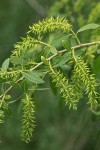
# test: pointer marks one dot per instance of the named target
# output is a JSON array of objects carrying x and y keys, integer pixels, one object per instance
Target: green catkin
[
  {"x": 23, "y": 46},
  {"x": 82, "y": 73},
  {"x": 77, "y": 86},
  {"x": 65, "y": 89},
  {"x": 27, "y": 119},
  {"x": 42, "y": 27},
  {"x": 49, "y": 25}
]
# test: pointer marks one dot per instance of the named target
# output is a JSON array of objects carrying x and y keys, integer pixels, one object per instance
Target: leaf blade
[
  {"x": 32, "y": 77},
  {"x": 66, "y": 45},
  {"x": 88, "y": 27},
  {"x": 5, "y": 65},
  {"x": 53, "y": 50},
  {"x": 62, "y": 59}
]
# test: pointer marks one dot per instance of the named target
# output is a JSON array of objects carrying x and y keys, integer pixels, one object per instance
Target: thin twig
[
  {"x": 50, "y": 58},
  {"x": 86, "y": 45}
]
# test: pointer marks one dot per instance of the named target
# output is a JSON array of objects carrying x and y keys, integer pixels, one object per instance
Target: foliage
[{"x": 34, "y": 57}]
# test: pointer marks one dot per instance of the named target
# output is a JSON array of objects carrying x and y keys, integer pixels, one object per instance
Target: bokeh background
[{"x": 57, "y": 127}]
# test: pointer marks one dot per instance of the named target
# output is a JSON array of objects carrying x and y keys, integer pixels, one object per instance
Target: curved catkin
[
  {"x": 27, "y": 119},
  {"x": 40, "y": 28},
  {"x": 49, "y": 25},
  {"x": 83, "y": 74},
  {"x": 65, "y": 89},
  {"x": 77, "y": 85},
  {"x": 24, "y": 46}
]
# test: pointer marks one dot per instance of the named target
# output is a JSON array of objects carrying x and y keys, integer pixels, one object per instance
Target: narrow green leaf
[
  {"x": 57, "y": 38},
  {"x": 62, "y": 59},
  {"x": 17, "y": 60},
  {"x": 53, "y": 50},
  {"x": 40, "y": 73},
  {"x": 88, "y": 27},
  {"x": 32, "y": 77},
  {"x": 66, "y": 45},
  {"x": 5, "y": 65},
  {"x": 73, "y": 41}
]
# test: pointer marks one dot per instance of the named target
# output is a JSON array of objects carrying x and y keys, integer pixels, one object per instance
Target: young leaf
[
  {"x": 62, "y": 59},
  {"x": 73, "y": 41},
  {"x": 57, "y": 38},
  {"x": 40, "y": 72},
  {"x": 32, "y": 77},
  {"x": 17, "y": 60},
  {"x": 88, "y": 27},
  {"x": 43, "y": 59},
  {"x": 66, "y": 45},
  {"x": 5, "y": 65},
  {"x": 53, "y": 50}
]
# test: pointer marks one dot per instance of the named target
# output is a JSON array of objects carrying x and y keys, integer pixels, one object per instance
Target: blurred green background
[{"x": 57, "y": 127}]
